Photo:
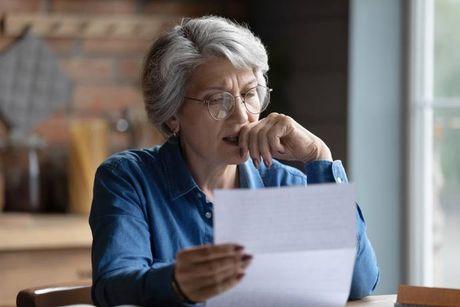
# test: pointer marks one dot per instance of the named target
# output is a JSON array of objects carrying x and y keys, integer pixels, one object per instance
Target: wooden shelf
[
  {"x": 87, "y": 26},
  {"x": 20, "y": 231}
]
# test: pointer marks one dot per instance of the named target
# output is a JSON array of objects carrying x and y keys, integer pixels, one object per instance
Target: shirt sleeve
[
  {"x": 366, "y": 271},
  {"x": 322, "y": 171},
  {"x": 124, "y": 271}
]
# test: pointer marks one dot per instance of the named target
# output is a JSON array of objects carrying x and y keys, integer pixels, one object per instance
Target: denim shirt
[{"x": 147, "y": 207}]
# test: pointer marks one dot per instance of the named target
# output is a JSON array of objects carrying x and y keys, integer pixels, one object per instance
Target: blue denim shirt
[{"x": 146, "y": 207}]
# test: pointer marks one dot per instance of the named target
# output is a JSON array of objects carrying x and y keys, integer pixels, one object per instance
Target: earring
[{"x": 176, "y": 132}]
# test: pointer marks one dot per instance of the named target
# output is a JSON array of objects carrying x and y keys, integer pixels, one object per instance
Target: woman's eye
[
  {"x": 214, "y": 101},
  {"x": 214, "y": 97},
  {"x": 251, "y": 93}
]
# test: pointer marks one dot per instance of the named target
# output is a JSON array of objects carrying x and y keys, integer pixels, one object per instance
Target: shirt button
[
  {"x": 339, "y": 180},
  {"x": 208, "y": 215}
]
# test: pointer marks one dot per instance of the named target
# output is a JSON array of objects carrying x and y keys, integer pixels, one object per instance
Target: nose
[{"x": 240, "y": 113}]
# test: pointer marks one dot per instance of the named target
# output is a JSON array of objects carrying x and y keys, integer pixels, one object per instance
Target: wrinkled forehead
[{"x": 219, "y": 73}]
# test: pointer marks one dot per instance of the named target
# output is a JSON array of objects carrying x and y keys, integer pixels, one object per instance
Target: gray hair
[{"x": 175, "y": 54}]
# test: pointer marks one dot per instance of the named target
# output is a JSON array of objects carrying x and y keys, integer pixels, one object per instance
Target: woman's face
[{"x": 202, "y": 136}]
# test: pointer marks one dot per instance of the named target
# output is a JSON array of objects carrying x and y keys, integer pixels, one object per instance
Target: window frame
[{"x": 420, "y": 57}]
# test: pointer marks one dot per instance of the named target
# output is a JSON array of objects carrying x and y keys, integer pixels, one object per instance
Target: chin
[
  {"x": 231, "y": 159},
  {"x": 236, "y": 161}
]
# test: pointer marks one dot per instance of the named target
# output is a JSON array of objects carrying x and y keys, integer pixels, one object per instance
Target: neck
[{"x": 210, "y": 176}]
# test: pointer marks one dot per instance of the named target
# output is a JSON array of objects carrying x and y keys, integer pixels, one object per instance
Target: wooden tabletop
[
  {"x": 374, "y": 301},
  {"x": 370, "y": 301},
  {"x": 19, "y": 231}
]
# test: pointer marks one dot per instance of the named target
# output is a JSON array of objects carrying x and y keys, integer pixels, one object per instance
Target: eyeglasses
[{"x": 221, "y": 105}]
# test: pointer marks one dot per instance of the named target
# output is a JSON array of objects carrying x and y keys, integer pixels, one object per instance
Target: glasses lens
[
  {"x": 256, "y": 99},
  {"x": 221, "y": 105}
]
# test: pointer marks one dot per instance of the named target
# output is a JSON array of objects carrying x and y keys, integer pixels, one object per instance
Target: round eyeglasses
[{"x": 221, "y": 105}]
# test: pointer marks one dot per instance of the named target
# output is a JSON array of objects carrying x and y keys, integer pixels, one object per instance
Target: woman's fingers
[
  {"x": 193, "y": 284},
  {"x": 211, "y": 268},
  {"x": 205, "y": 253},
  {"x": 253, "y": 145},
  {"x": 274, "y": 138},
  {"x": 200, "y": 269},
  {"x": 264, "y": 145},
  {"x": 245, "y": 143},
  {"x": 246, "y": 261},
  {"x": 211, "y": 279},
  {"x": 217, "y": 288},
  {"x": 244, "y": 135},
  {"x": 280, "y": 136},
  {"x": 255, "y": 138}
]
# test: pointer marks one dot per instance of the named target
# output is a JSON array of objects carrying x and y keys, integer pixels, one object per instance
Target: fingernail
[
  {"x": 246, "y": 257},
  {"x": 256, "y": 163},
  {"x": 246, "y": 262},
  {"x": 238, "y": 247}
]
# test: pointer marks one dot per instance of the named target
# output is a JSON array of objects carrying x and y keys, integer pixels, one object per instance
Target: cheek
[{"x": 204, "y": 132}]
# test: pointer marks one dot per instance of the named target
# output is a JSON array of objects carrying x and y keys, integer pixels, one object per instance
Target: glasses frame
[{"x": 206, "y": 101}]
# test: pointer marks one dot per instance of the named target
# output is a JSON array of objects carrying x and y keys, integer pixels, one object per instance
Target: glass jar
[{"x": 21, "y": 169}]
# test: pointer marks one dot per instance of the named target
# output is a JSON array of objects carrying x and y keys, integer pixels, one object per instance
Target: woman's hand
[
  {"x": 281, "y": 137},
  {"x": 207, "y": 270}
]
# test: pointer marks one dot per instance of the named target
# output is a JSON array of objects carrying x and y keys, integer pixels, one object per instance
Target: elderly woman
[{"x": 204, "y": 85}]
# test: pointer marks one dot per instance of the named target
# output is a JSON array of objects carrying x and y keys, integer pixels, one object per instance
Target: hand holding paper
[{"x": 303, "y": 240}]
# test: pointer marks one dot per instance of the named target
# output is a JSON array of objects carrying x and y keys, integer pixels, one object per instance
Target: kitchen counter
[
  {"x": 20, "y": 231},
  {"x": 41, "y": 249}
]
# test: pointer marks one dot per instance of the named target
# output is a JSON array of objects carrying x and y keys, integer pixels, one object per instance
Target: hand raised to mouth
[{"x": 281, "y": 137}]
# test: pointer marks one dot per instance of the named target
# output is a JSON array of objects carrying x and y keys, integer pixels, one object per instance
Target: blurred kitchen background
[{"x": 377, "y": 80}]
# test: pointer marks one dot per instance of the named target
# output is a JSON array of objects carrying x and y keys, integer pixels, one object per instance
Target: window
[{"x": 434, "y": 143}]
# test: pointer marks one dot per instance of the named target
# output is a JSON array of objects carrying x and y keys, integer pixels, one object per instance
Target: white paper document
[{"x": 303, "y": 240}]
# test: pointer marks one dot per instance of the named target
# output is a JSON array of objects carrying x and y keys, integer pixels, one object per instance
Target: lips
[{"x": 231, "y": 139}]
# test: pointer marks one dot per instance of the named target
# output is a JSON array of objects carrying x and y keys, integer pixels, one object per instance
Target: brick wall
[
  {"x": 307, "y": 41},
  {"x": 105, "y": 72}
]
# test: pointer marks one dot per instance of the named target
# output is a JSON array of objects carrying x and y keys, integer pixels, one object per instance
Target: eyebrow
[{"x": 223, "y": 88}]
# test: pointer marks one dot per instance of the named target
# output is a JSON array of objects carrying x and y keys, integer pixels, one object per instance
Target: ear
[{"x": 173, "y": 123}]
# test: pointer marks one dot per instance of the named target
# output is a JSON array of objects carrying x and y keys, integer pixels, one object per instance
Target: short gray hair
[{"x": 175, "y": 54}]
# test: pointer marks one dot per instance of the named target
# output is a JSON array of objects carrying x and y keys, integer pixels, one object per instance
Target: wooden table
[
  {"x": 374, "y": 301},
  {"x": 37, "y": 250},
  {"x": 370, "y": 301}
]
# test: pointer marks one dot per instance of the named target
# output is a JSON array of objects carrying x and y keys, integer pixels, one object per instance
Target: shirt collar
[
  {"x": 180, "y": 179},
  {"x": 250, "y": 176}
]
